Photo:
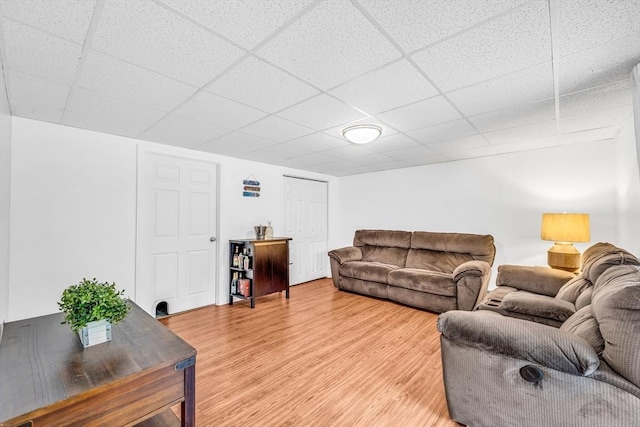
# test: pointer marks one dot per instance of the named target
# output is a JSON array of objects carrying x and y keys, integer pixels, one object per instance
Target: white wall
[
  {"x": 73, "y": 210},
  {"x": 504, "y": 196},
  {"x": 5, "y": 197},
  {"x": 72, "y": 213},
  {"x": 628, "y": 189}
]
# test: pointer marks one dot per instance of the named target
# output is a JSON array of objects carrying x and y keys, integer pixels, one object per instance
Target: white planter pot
[{"x": 95, "y": 333}]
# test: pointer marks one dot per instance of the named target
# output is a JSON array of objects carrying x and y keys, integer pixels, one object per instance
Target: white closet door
[
  {"x": 177, "y": 209},
  {"x": 305, "y": 220}
]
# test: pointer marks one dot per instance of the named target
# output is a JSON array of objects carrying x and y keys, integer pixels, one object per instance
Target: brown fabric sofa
[
  {"x": 432, "y": 271},
  {"x": 549, "y": 296},
  {"x": 503, "y": 371}
]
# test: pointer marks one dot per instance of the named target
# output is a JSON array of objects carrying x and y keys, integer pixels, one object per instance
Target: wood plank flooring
[{"x": 322, "y": 358}]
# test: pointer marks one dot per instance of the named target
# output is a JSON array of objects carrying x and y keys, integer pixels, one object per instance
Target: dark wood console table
[
  {"x": 267, "y": 270},
  {"x": 47, "y": 378}
]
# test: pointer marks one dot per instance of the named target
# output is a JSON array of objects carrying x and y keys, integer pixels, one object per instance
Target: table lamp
[{"x": 564, "y": 229}]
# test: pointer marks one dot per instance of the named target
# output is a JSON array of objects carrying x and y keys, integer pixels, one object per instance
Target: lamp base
[{"x": 564, "y": 256}]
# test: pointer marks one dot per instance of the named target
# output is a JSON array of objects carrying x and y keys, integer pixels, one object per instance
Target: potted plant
[{"x": 90, "y": 307}]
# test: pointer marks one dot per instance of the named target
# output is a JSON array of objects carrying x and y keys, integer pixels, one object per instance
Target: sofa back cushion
[
  {"x": 616, "y": 307},
  {"x": 385, "y": 246},
  {"x": 599, "y": 257},
  {"x": 445, "y": 251}
]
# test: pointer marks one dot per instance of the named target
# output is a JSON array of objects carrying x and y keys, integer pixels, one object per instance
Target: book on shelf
[{"x": 245, "y": 287}]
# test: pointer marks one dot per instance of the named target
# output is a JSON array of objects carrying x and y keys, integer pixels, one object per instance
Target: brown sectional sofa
[
  {"x": 549, "y": 296},
  {"x": 432, "y": 271},
  {"x": 504, "y": 371}
]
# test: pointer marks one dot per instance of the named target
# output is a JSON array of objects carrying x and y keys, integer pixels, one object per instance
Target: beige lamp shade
[{"x": 564, "y": 229}]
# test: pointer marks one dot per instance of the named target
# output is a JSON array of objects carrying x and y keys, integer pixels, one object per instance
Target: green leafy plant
[{"x": 91, "y": 300}]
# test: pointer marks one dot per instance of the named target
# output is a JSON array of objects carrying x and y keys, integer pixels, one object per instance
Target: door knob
[{"x": 212, "y": 239}]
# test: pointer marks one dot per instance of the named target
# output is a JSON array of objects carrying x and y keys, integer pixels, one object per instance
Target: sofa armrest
[
  {"x": 519, "y": 339},
  {"x": 342, "y": 255},
  {"x": 539, "y": 280},
  {"x": 471, "y": 268},
  {"x": 538, "y": 305},
  {"x": 472, "y": 280}
]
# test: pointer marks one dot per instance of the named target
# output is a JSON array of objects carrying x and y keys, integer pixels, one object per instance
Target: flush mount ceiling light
[{"x": 362, "y": 134}]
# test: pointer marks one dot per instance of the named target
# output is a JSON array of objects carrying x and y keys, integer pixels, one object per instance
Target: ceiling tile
[
  {"x": 276, "y": 154},
  {"x": 587, "y": 136},
  {"x": 598, "y": 66},
  {"x": 530, "y": 144},
  {"x": 254, "y": 82},
  {"x": 34, "y": 111},
  {"x": 417, "y": 154},
  {"x": 526, "y": 132},
  {"x": 588, "y": 23},
  {"x": 182, "y": 132},
  {"x": 276, "y": 129},
  {"x": 612, "y": 117},
  {"x": 391, "y": 143},
  {"x": 472, "y": 153},
  {"x": 514, "y": 41},
  {"x": 92, "y": 110},
  {"x": 600, "y": 98},
  {"x": 443, "y": 131},
  {"x": 122, "y": 80},
  {"x": 336, "y": 32},
  {"x": 421, "y": 114},
  {"x": 460, "y": 144},
  {"x": 236, "y": 144},
  {"x": 38, "y": 53},
  {"x": 376, "y": 159},
  {"x": 307, "y": 160},
  {"x": 148, "y": 35},
  {"x": 321, "y": 112},
  {"x": 245, "y": 22},
  {"x": 415, "y": 24},
  {"x": 389, "y": 87},
  {"x": 219, "y": 111},
  {"x": 520, "y": 87},
  {"x": 318, "y": 141},
  {"x": 351, "y": 151},
  {"x": 515, "y": 116},
  {"x": 421, "y": 161},
  {"x": 69, "y": 19},
  {"x": 27, "y": 89}
]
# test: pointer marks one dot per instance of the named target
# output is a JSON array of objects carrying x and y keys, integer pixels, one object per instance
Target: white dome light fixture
[{"x": 362, "y": 134}]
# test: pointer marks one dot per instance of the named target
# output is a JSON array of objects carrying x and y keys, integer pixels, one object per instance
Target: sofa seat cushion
[
  {"x": 370, "y": 271},
  {"x": 433, "y": 282}
]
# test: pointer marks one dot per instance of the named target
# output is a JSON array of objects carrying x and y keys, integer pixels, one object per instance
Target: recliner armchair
[
  {"x": 502, "y": 371},
  {"x": 550, "y": 296}
]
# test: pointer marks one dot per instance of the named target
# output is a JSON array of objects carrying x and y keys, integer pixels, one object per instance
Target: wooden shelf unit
[{"x": 268, "y": 269}]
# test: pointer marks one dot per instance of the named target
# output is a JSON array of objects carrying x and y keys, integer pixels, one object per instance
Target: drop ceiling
[{"x": 277, "y": 81}]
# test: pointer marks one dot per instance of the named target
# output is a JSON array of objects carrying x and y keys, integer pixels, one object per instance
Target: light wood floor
[{"x": 322, "y": 358}]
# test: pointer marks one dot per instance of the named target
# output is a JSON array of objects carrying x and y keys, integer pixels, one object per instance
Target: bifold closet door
[{"x": 305, "y": 220}]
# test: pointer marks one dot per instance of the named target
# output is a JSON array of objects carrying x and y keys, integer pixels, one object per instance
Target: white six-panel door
[
  {"x": 305, "y": 220},
  {"x": 177, "y": 205}
]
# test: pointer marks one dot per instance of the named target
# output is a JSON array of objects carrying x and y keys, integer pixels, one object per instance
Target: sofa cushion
[
  {"x": 573, "y": 289},
  {"x": 616, "y": 307},
  {"x": 386, "y": 238},
  {"x": 536, "y": 279},
  {"x": 432, "y": 282},
  {"x": 538, "y": 305},
  {"x": 385, "y": 255},
  {"x": 370, "y": 271},
  {"x": 584, "y": 325},
  {"x": 444, "y": 262},
  {"x": 479, "y": 247}
]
